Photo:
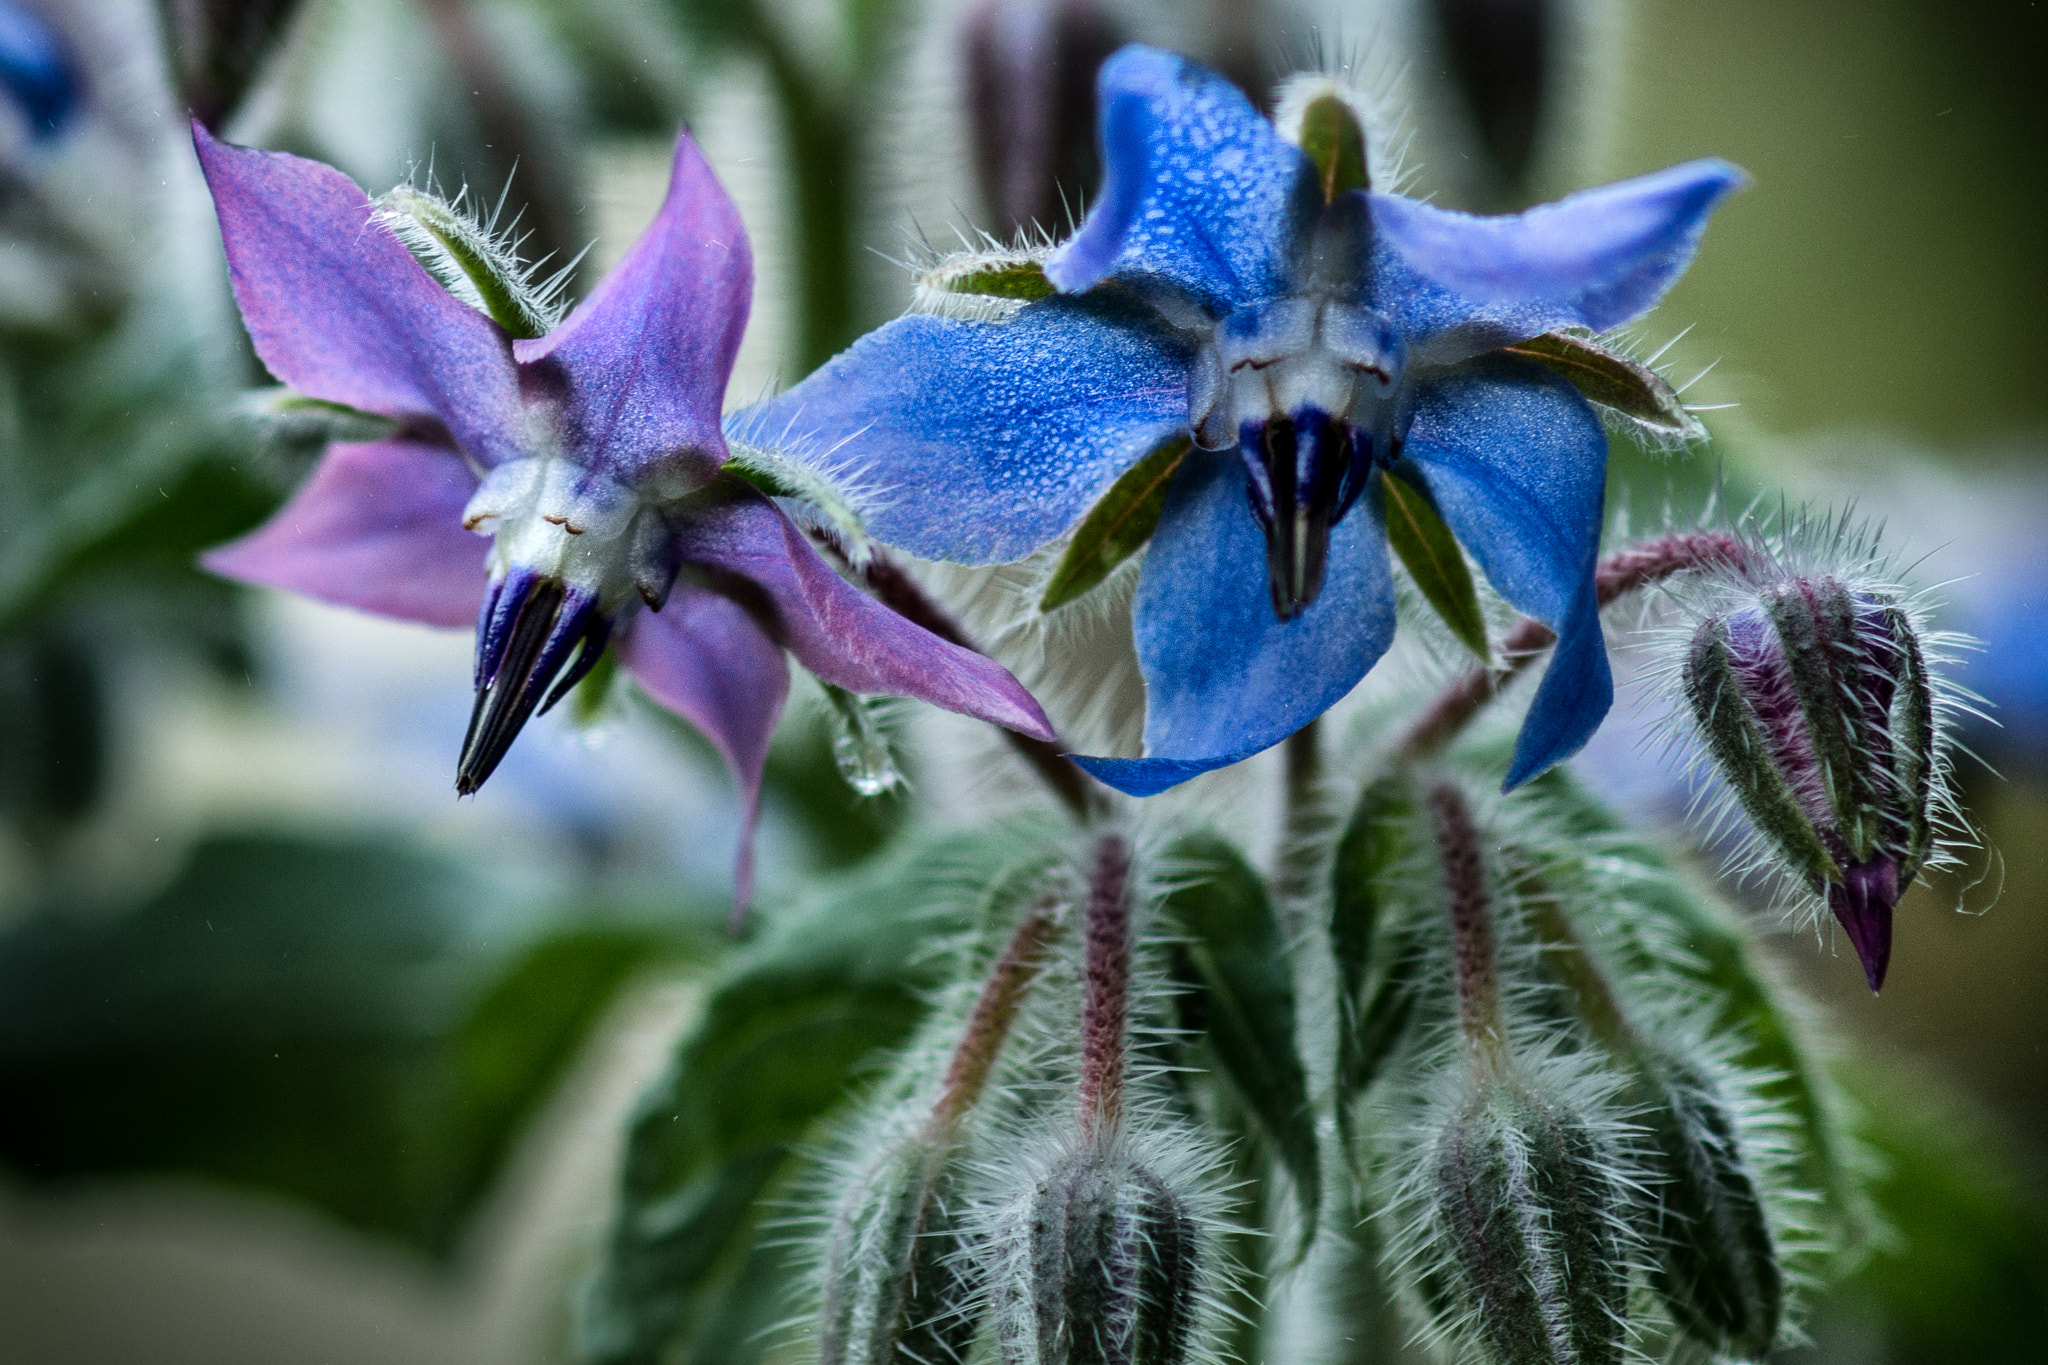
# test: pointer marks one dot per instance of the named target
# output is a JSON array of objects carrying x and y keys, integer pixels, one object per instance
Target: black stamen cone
[
  {"x": 537, "y": 649},
  {"x": 1301, "y": 506}
]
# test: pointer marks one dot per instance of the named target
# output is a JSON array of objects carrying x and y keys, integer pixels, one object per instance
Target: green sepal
[
  {"x": 891, "y": 1260},
  {"x": 1816, "y": 624},
  {"x": 1371, "y": 1013},
  {"x": 781, "y": 477},
  {"x": 1613, "y": 381},
  {"x": 989, "y": 275},
  {"x": 297, "y": 416},
  {"x": 471, "y": 262},
  {"x": 1432, "y": 557},
  {"x": 1716, "y": 1268},
  {"x": 1914, "y": 736},
  {"x": 1239, "y": 957},
  {"x": 591, "y": 695},
  {"x": 1116, "y": 527},
  {"x": 1332, "y": 138},
  {"x": 1744, "y": 759}
]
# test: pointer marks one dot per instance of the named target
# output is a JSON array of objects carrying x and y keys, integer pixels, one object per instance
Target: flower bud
[
  {"x": 1716, "y": 1268},
  {"x": 1100, "y": 1263},
  {"x": 1523, "y": 1196},
  {"x": 889, "y": 1264},
  {"x": 1814, "y": 702}
]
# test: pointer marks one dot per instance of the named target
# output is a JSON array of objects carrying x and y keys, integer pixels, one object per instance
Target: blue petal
[
  {"x": 1517, "y": 464},
  {"x": 991, "y": 438},
  {"x": 1224, "y": 677},
  {"x": 1595, "y": 259},
  {"x": 1197, "y": 188}
]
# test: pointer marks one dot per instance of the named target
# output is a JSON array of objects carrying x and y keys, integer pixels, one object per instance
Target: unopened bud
[
  {"x": 1100, "y": 1262},
  {"x": 889, "y": 1269},
  {"x": 1814, "y": 701},
  {"x": 1716, "y": 1269},
  {"x": 1524, "y": 1198}
]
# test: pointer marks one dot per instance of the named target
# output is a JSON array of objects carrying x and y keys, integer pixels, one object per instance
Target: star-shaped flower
[
  {"x": 1248, "y": 347},
  {"x": 589, "y": 452}
]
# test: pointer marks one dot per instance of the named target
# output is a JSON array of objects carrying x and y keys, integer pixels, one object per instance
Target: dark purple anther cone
[
  {"x": 536, "y": 638},
  {"x": 1862, "y": 903}
]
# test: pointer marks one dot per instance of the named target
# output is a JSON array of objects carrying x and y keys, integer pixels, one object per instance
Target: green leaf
[
  {"x": 1371, "y": 1012},
  {"x": 1609, "y": 865},
  {"x": 1120, "y": 522},
  {"x": 991, "y": 275},
  {"x": 1427, "y": 547},
  {"x": 784, "y": 1033},
  {"x": 1333, "y": 139},
  {"x": 350, "y": 1025},
  {"x": 1240, "y": 960},
  {"x": 1613, "y": 381}
]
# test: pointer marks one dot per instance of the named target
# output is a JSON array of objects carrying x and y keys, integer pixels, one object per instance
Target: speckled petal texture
[
  {"x": 1517, "y": 464},
  {"x": 1198, "y": 190},
  {"x": 988, "y": 438},
  {"x": 339, "y": 309},
  {"x": 743, "y": 545},
  {"x": 640, "y": 366}
]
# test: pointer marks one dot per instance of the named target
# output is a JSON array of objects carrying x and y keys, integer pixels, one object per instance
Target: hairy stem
[
  {"x": 1478, "y": 957},
  {"x": 994, "y": 1012},
  {"x": 1619, "y": 574},
  {"x": 1104, "y": 1011}
]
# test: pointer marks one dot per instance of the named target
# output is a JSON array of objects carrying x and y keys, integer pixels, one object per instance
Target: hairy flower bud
[
  {"x": 1815, "y": 703},
  {"x": 1716, "y": 1269},
  {"x": 1100, "y": 1263},
  {"x": 888, "y": 1267},
  {"x": 1523, "y": 1195}
]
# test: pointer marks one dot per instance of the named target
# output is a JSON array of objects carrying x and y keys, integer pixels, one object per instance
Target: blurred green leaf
[
  {"x": 1241, "y": 965},
  {"x": 345, "y": 1024},
  {"x": 828, "y": 987},
  {"x": 1371, "y": 1011},
  {"x": 1964, "y": 1276}
]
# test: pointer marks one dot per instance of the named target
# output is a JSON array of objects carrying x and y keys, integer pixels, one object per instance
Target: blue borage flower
[{"x": 1267, "y": 338}]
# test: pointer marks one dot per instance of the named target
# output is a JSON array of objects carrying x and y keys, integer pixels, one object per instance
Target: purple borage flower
[
  {"x": 590, "y": 455},
  {"x": 1305, "y": 341}
]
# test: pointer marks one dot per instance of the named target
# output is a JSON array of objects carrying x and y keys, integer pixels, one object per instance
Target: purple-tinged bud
[
  {"x": 1100, "y": 1262},
  {"x": 1815, "y": 703},
  {"x": 1524, "y": 1196}
]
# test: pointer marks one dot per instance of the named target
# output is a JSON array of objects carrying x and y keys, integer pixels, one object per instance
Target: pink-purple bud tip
[{"x": 1862, "y": 902}]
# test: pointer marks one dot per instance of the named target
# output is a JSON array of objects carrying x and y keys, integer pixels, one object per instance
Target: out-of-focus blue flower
[
  {"x": 36, "y": 70},
  {"x": 1305, "y": 343},
  {"x": 588, "y": 449}
]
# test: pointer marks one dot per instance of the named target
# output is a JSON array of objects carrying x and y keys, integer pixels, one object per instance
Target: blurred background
[{"x": 301, "y": 1059}]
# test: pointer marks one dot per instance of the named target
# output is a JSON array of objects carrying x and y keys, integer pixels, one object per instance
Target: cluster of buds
[
  {"x": 1814, "y": 701},
  {"x": 1099, "y": 1252}
]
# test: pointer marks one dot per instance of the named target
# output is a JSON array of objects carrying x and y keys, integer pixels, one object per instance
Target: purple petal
[
  {"x": 1517, "y": 464},
  {"x": 992, "y": 437},
  {"x": 1224, "y": 677},
  {"x": 377, "y": 527},
  {"x": 642, "y": 363},
  {"x": 705, "y": 659},
  {"x": 751, "y": 551},
  {"x": 1595, "y": 259},
  {"x": 1863, "y": 905},
  {"x": 339, "y": 309},
  {"x": 1197, "y": 188}
]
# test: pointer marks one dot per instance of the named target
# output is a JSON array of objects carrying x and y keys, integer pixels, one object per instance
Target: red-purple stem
[
  {"x": 1104, "y": 1011},
  {"x": 1457, "y": 846},
  {"x": 994, "y": 1012},
  {"x": 1618, "y": 575}
]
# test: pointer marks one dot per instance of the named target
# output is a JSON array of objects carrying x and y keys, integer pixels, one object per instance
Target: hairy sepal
[
  {"x": 1615, "y": 382},
  {"x": 1116, "y": 527}
]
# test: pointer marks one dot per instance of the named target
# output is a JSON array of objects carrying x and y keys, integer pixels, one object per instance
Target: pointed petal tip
[{"x": 1862, "y": 904}]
